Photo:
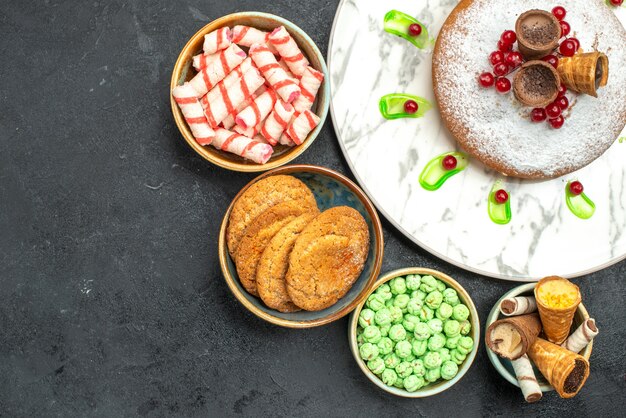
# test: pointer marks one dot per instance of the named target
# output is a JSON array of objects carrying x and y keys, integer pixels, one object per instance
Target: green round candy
[
  {"x": 377, "y": 365},
  {"x": 372, "y": 334},
  {"x": 418, "y": 294},
  {"x": 432, "y": 360},
  {"x": 456, "y": 356},
  {"x": 452, "y": 342},
  {"x": 383, "y": 317},
  {"x": 444, "y": 353},
  {"x": 398, "y": 286},
  {"x": 432, "y": 375},
  {"x": 426, "y": 314},
  {"x": 451, "y": 297},
  {"x": 396, "y": 315},
  {"x": 436, "y": 342},
  {"x": 399, "y": 383},
  {"x": 360, "y": 339},
  {"x": 385, "y": 346},
  {"x": 413, "y": 282},
  {"x": 375, "y": 302},
  {"x": 422, "y": 331},
  {"x": 444, "y": 311},
  {"x": 401, "y": 301},
  {"x": 419, "y": 347},
  {"x": 465, "y": 345},
  {"x": 397, "y": 333},
  {"x": 452, "y": 328},
  {"x": 409, "y": 337},
  {"x": 433, "y": 299},
  {"x": 409, "y": 322},
  {"x": 403, "y": 349},
  {"x": 410, "y": 357},
  {"x": 389, "y": 377},
  {"x": 384, "y": 291},
  {"x": 429, "y": 284},
  {"x": 404, "y": 369},
  {"x": 414, "y": 306},
  {"x": 435, "y": 325},
  {"x": 368, "y": 351},
  {"x": 389, "y": 302},
  {"x": 391, "y": 361},
  {"x": 460, "y": 312},
  {"x": 366, "y": 318},
  {"x": 449, "y": 369},
  {"x": 441, "y": 286},
  {"x": 466, "y": 327},
  {"x": 384, "y": 330},
  {"x": 413, "y": 383},
  {"x": 418, "y": 367}
]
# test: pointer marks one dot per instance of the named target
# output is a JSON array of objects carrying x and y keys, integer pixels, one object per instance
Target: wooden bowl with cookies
[{"x": 300, "y": 246}]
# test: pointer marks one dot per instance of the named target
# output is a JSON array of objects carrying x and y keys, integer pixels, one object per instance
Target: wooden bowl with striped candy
[{"x": 184, "y": 71}]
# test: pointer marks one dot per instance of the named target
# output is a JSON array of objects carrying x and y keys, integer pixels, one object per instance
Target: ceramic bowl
[
  {"x": 503, "y": 366},
  {"x": 183, "y": 71},
  {"x": 441, "y": 385},
  {"x": 330, "y": 189}
]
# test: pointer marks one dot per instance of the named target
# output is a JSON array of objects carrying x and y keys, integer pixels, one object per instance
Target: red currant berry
[
  {"x": 504, "y": 47},
  {"x": 500, "y": 69},
  {"x": 503, "y": 85},
  {"x": 538, "y": 115},
  {"x": 449, "y": 162},
  {"x": 562, "y": 102},
  {"x": 559, "y": 12},
  {"x": 501, "y": 196},
  {"x": 562, "y": 90},
  {"x": 508, "y": 37},
  {"x": 577, "y": 42},
  {"x": 576, "y": 188},
  {"x": 557, "y": 122},
  {"x": 617, "y": 3},
  {"x": 514, "y": 59},
  {"x": 553, "y": 110},
  {"x": 415, "y": 29},
  {"x": 410, "y": 106},
  {"x": 552, "y": 60},
  {"x": 568, "y": 48},
  {"x": 565, "y": 28},
  {"x": 496, "y": 57},
  {"x": 486, "y": 80}
]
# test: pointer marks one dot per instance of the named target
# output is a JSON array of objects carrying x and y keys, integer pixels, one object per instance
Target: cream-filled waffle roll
[
  {"x": 289, "y": 51},
  {"x": 217, "y": 40},
  {"x": 581, "y": 338},
  {"x": 284, "y": 66},
  {"x": 519, "y": 305},
  {"x": 185, "y": 97},
  {"x": 231, "y": 78},
  {"x": 277, "y": 122},
  {"x": 301, "y": 126},
  {"x": 250, "y": 132},
  {"x": 201, "y": 61},
  {"x": 527, "y": 379},
  {"x": 257, "y": 111},
  {"x": 285, "y": 140},
  {"x": 287, "y": 89},
  {"x": 210, "y": 76},
  {"x": 248, "y": 36},
  {"x": 229, "y": 121},
  {"x": 230, "y": 97},
  {"x": 310, "y": 83},
  {"x": 238, "y": 144}
]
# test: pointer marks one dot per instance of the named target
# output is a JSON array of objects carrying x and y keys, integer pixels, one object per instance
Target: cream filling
[{"x": 507, "y": 341}]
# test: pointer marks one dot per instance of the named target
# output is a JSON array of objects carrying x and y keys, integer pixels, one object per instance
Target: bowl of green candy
[{"x": 416, "y": 334}]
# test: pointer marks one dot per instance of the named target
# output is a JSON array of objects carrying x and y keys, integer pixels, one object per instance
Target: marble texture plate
[{"x": 387, "y": 157}]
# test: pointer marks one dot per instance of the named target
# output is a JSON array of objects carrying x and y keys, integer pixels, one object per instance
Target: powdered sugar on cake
[{"x": 491, "y": 123}]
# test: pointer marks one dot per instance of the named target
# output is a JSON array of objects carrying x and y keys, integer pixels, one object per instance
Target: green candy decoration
[
  {"x": 383, "y": 317},
  {"x": 397, "y": 23},
  {"x": 403, "y": 349},
  {"x": 413, "y": 282},
  {"x": 372, "y": 334},
  {"x": 419, "y": 347},
  {"x": 404, "y": 369},
  {"x": 391, "y": 361},
  {"x": 460, "y": 312},
  {"x": 444, "y": 311},
  {"x": 452, "y": 328},
  {"x": 377, "y": 366},
  {"x": 433, "y": 299},
  {"x": 397, "y": 333},
  {"x": 435, "y": 175},
  {"x": 368, "y": 351},
  {"x": 385, "y": 346},
  {"x": 391, "y": 106},
  {"x": 449, "y": 369},
  {"x": 436, "y": 342},
  {"x": 389, "y": 377},
  {"x": 375, "y": 302},
  {"x": 366, "y": 318},
  {"x": 451, "y": 297},
  {"x": 422, "y": 331}
]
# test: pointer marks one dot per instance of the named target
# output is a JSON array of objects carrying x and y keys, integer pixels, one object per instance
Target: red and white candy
[
  {"x": 185, "y": 97},
  {"x": 309, "y": 85},
  {"x": 208, "y": 77},
  {"x": 229, "y": 122},
  {"x": 301, "y": 126},
  {"x": 289, "y": 51},
  {"x": 217, "y": 40},
  {"x": 256, "y": 113},
  {"x": 201, "y": 61},
  {"x": 286, "y": 88},
  {"x": 232, "y": 96},
  {"x": 231, "y": 78},
  {"x": 277, "y": 122},
  {"x": 248, "y": 36},
  {"x": 245, "y": 147}
]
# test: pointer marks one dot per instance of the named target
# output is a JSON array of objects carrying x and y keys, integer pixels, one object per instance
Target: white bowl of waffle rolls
[
  {"x": 539, "y": 337},
  {"x": 249, "y": 91}
]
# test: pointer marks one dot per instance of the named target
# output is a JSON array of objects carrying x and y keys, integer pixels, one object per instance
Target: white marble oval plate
[{"x": 387, "y": 157}]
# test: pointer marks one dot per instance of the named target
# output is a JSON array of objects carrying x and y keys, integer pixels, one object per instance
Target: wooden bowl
[
  {"x": 183, "y": 71},
  {"x": 330, "y": 189},
  {"x": 504, "y": 366},
  {"x": 441, "y": 385}
]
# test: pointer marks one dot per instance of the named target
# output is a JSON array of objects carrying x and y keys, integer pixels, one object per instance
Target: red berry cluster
[
  {"x": 552, "y": 112},
  {"x": 504, "y": 62}
]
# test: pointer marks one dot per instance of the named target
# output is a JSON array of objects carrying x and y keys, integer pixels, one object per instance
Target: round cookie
[
  {"x": 272, "y": 268},
  {"x": 259, "y": 197},
  {"x": 327, "y": 258},
  {"x": 259, "y": 234}
]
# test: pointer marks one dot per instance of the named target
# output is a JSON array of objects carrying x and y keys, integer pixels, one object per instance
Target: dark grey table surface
[{"x": 111, "y": 298}]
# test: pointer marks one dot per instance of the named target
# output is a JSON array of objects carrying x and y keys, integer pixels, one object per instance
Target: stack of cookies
[{"x": 288, "y": 253}]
